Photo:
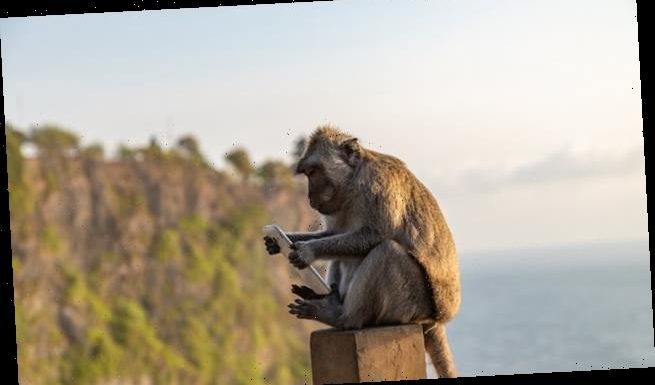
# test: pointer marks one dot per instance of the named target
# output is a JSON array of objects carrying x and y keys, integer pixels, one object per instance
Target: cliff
[{"x": 149, "y": 268}]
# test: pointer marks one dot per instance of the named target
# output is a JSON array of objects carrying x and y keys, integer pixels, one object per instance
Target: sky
[{"x": 522, "y": 117}]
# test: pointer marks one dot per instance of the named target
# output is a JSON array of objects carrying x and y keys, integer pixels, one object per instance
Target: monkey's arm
[
  {"x": 299, "y": 236},
  {"x": 385, "y": 208},
  {"x": 383, "y": 215},
  {"x": 356, "y": 244}
]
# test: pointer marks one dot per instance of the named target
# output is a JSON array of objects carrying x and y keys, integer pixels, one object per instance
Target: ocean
[{"x": 559, "y": 309}]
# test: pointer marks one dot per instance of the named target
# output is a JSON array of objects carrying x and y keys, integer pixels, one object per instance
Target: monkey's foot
[
  {"x": 305, "y": 292},
  {"x": 322, "y": 310}
]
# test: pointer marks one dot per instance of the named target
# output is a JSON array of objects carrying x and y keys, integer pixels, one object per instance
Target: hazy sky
[{"x": 523, "y": 117}]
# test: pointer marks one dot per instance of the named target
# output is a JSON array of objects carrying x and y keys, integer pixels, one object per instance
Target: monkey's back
[{"x": 418, "y": 224}]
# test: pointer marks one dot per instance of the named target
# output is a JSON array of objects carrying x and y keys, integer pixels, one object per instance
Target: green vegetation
[
  {"x": 94, "y": 151},
  {"x": 241, "y": 162},
  {"x": 168, "y": 246},
  {"x": 50, "y": 239},
  {"x": 190, "y": 149},
  {"x": 53, "y": 141},
  {"x": 134, "y": 283},
  {"x": 19, "y": 194},
  {"x": 276, "y": 174}
]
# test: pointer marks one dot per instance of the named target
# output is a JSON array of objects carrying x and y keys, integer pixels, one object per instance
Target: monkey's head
[{"x": 329, "y": 162}]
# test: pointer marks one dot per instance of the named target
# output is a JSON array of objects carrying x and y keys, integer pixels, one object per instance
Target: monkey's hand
[
  {"x": 271, "y": 245},
  {"x": 301, "y": 255}
]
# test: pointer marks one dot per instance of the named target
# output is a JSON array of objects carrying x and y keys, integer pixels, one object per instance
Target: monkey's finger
[
  {"x": 294, "y": 257},
  {"x": 309, "y": 292},
  {"x": 302, "y": 310},
  {"x": 302, "y": 290},
  {"x": 297, "y": 290},
  {"x": 299, "y": 265},
  {"x": 296, "y": 261},
  {"x": 302, "y": 314},
  {"x": 301, "y": 306},
  {"x": 272, "y": 245},
  {"x": 294, "y": 310}
]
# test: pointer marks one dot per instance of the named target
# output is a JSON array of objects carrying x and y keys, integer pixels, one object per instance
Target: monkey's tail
[{"x": 436, "y": 345}]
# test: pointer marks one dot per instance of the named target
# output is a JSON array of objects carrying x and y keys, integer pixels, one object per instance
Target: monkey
[{"x": 392, "y": 257}]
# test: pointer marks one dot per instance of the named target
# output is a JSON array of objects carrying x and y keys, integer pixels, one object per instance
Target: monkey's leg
[{"x": 388, "y": 288}]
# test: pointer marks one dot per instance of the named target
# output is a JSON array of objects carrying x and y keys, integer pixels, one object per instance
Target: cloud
[{"x": 562, "y": 165}]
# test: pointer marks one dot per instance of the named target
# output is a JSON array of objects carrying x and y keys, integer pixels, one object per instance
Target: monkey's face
[
  {"x": 328, "y": 175},
  {"x": 323, "y": 192}
]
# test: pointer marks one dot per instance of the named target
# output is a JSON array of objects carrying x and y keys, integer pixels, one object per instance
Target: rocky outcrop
[{"x": 152, "y": 270}]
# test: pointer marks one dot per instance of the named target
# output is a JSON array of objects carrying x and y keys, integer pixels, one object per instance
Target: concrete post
[{"x": 388, "y": 353}]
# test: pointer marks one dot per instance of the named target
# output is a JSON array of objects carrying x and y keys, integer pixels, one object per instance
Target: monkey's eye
[{"x": 310, "y": 171}]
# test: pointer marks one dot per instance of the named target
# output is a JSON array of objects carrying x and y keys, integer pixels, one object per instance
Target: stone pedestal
[{"x": 389, "y": 353}]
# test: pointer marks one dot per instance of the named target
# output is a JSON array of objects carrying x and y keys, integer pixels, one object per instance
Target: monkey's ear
[{"x": 352, "y": 150}]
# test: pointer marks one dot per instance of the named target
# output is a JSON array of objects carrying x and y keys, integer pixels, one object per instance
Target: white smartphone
[{"x": 310, "y": 276}]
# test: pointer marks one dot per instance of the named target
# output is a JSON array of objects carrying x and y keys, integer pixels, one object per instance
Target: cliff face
[{"x": 151, "y": 270}]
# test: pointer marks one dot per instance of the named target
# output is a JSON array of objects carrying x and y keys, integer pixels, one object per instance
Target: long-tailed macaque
[{"x": 392, "y": 256}]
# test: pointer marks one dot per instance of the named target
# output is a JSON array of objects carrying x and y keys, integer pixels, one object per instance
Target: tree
[
  {"x": 275, "y": 173},
  {"x": 153, "y": 146},
  {"x": 240, "y": 160},
  {"x": 190, "y": 148},
  {"x": 18, "y": 189},
  {"x": 124, "y": 152},
  {"x": 188, "y": 144},
  {"x": 53, "y": 141},
  {"x": 19, "y": 135},
  {"x": 93, "y": 151},
  {"x": 14, "y": 140}
]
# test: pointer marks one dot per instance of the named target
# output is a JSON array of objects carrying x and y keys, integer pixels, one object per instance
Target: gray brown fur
[{"x": 393, "y": 258}]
